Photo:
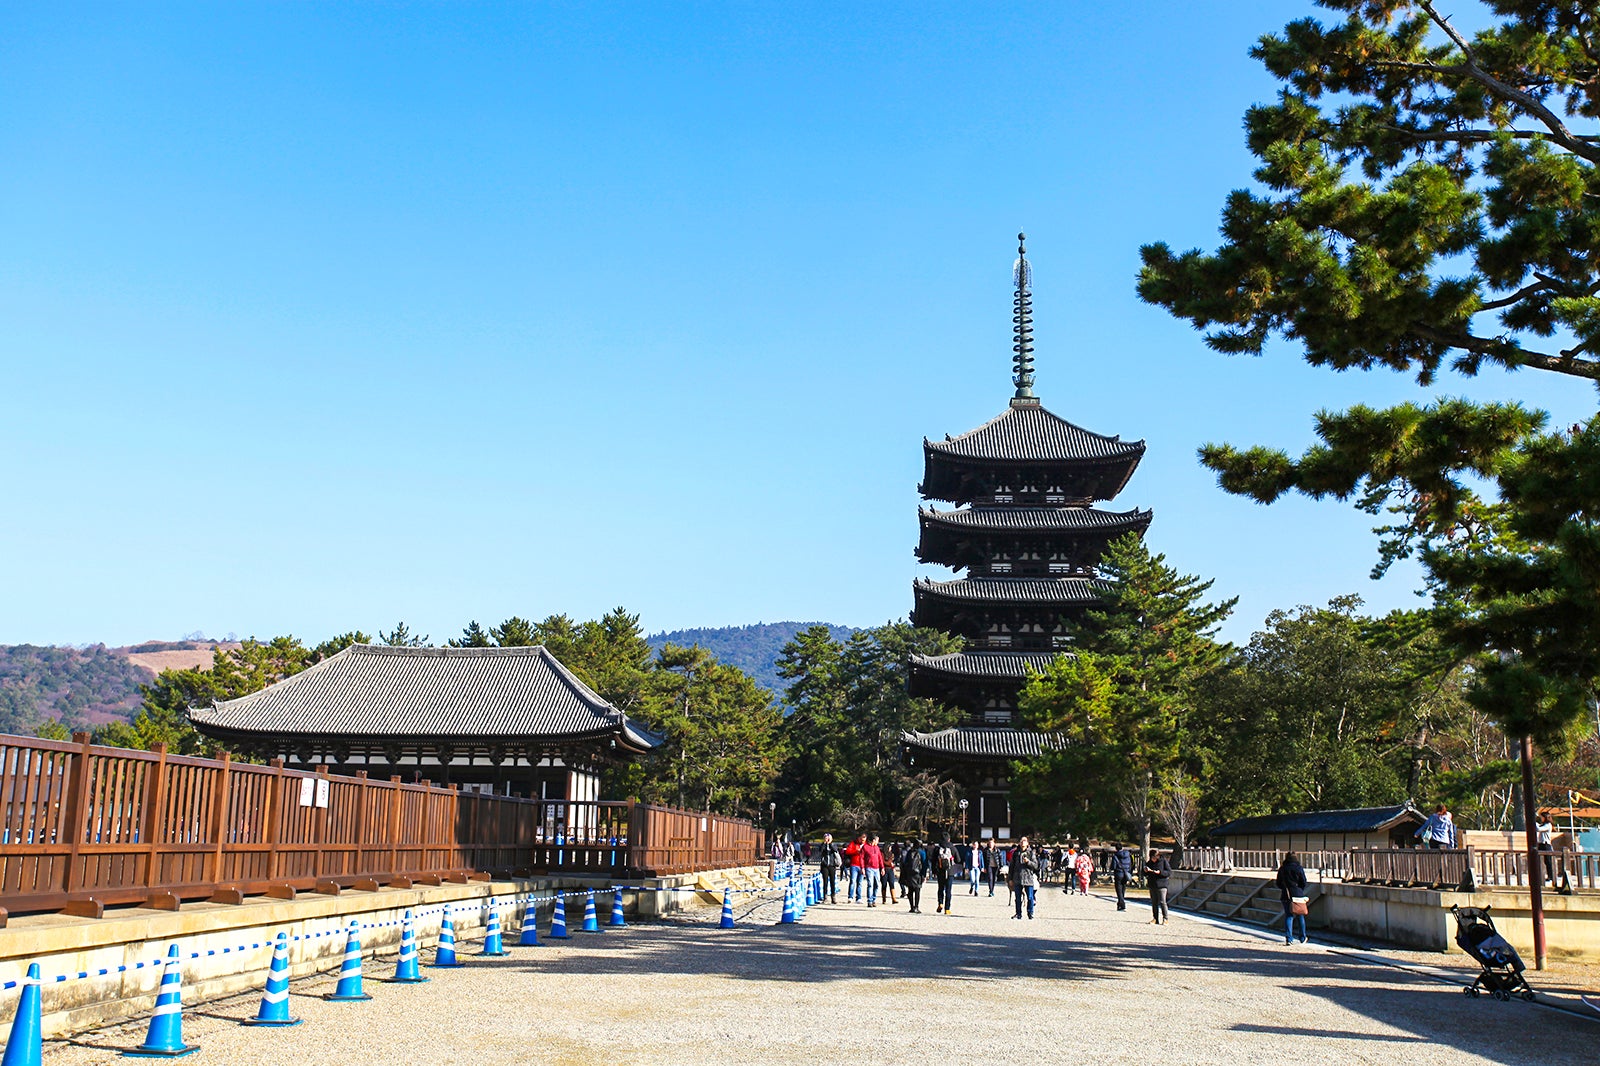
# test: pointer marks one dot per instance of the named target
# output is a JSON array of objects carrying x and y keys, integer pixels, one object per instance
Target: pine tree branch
[
  {"x": 1563, "y": 363},
  {"x": 1469, "y": 68}
]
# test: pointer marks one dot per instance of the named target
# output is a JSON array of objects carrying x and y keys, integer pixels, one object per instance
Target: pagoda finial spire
[{"x": 1022, "y": 322}]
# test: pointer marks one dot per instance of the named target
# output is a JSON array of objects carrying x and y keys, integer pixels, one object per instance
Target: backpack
[
  {"x": 911, "y": 868},
  {"x": 944, "y": 860}
]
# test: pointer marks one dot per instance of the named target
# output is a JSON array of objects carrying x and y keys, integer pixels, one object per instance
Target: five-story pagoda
[{"x": 1027, "y": 533}]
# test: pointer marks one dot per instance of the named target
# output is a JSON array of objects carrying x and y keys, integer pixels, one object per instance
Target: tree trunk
[{"x": 1535, "y": 866}]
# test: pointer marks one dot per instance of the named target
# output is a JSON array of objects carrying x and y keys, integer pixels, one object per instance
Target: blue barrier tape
[{"x": 492, "y": 904}]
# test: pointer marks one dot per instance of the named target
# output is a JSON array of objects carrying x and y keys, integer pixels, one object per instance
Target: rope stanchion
[
  {"x": 349, "y": 988},
  {"x": 165, "y": 1038},
  {"x": 405, "y": 967},
  {"x": 274, "y": 1009},
  {"x": 25, "y": 1045}
]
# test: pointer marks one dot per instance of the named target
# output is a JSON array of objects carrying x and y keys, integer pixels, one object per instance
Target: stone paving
[{"x": 1082, "y": 982}]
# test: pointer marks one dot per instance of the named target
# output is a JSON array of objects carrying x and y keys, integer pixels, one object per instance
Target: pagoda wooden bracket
[
  {"x": 280, "y": 891},
  {"x": 522, "y": 873},
  {"x": 84, "y": 908},
  {"x": 366, "y": 884},
  {"x": 456, "y": 878},
  {"x": 327, "y": 888},
  {"x": 232, "y": 896},
  {"x": 479, "y": 875},
  {"x": 398, "y": 882},
  {"x": 161, "y": 901},
  {"x": 429, "y": 879},
  {"x": 4, "y": 914}
]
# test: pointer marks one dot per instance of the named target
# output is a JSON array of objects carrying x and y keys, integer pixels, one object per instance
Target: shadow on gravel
[{"x": 1416, "y": 1010}]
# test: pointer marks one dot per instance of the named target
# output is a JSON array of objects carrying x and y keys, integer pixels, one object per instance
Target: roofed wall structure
[{"x": 514, "y": 717}]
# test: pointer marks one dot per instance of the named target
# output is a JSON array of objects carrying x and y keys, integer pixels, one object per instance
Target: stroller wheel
[
  {"x": 1527, "y": 994},
  {"x": 1502, "y": 996},
  {"x": 1470, "y": 990}
]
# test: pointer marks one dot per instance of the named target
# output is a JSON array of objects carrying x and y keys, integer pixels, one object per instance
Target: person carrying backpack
[
  {"x": 944, "y": 872},
  {"x": 1121, "y": 873},
  {"x": 913, "y": 869}
]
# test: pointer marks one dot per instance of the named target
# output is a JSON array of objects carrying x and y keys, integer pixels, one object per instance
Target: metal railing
[{"x": 97, "y": 825}]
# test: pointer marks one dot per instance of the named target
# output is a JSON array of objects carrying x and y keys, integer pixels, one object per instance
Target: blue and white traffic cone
[
  {"x": 591, "y": 920},
  {"x": 558, "y": 921},
  {"x": 816, "y": 881},
  {"x": 275, "y": 1001},
  {"x": 445, "y": 953},
  {"x": 530, "y": 926},
  {"x": 405, "y": 968},
  {"x": 810, "y": 898},
  {"x": 727, "y": 908},
  {"x": 349, "y": 989},
  {"x": 165, "y": 1039},
  {"x": 617, "y": 919},
  {"x": 788, "y": 907},
  {"x": 492, "y": 945},
  {"x": 25, "y": 1045},
  {"x": 799, "y": 903}
]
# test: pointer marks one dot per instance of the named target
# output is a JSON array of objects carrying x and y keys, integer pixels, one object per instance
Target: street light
[{"x": 963, "y": 806}]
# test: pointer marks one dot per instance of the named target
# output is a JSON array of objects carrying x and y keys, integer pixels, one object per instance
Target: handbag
[{"x": 1299, "y": 905}]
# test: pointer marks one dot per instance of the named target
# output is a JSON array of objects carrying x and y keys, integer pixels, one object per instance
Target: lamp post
[
  {"x": 772, "y": 811},
  {"x": 963, "y": 806}
]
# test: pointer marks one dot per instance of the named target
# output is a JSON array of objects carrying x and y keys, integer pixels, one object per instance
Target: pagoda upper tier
[
  {"x": 1023, "y": 541},
  {"x": 1028, "y": 457}
]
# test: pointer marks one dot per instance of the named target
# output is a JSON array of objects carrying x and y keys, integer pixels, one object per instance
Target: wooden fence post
[
  {"x": 219, "y": 813},
  {"x": 274, "y": 817},
  {"x": 153, "y": 822},
  {"x": 395, "y": 793},
  {"x": 77, "y": 808},
  {"x": 361, "y": 821}
]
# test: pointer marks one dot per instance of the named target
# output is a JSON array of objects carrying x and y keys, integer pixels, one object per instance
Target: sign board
[
  {"x": 704, "y": 823},
  {"x": 308, "y": 791},
  {"x": 322, "y": 792}
]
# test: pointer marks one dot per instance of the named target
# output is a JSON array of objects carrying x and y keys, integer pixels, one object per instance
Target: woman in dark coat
[
  {"x": 1292, "y": 886},
  {"x": 913, "y": 867}
]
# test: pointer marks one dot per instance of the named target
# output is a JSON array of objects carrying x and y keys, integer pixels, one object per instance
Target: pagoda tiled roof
[
  {"x": 378, "y": 691},
  {"x": 1015, "y": 589},
  {"x": 1031, "y": 433},
  {"x": 983, "y": 742},
  {"x": 1001, "y": 665},
  {"x": 1044, "y": 519},
  {"x": 1352, "y": 820}
]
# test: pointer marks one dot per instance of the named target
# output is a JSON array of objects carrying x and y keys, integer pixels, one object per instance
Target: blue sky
[{"x": 320, "y": 317}]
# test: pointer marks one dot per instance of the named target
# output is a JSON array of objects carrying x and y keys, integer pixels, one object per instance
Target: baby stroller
[{"x": 1501, "y": 973}]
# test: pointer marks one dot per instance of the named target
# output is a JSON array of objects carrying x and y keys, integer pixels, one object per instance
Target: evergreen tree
[
  {"x": 474, "y": 636},
  {"x": 402, "y": 637},
  {"x": 1125, "y": 704},
  {"x": 1430, "y": 194}
]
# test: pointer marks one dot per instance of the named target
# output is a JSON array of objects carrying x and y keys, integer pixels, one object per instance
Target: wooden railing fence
[
  {"x": 84, "y": 826},
  {"x": 1413, "y": 867}
]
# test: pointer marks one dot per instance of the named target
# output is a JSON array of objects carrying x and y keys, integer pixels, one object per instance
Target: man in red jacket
[
  {"x": 872, "y": 861},
  {"x": 855, "y": 855}
]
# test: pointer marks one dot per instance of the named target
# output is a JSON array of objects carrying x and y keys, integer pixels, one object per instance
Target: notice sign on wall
[{"x": 313, "y": 792}]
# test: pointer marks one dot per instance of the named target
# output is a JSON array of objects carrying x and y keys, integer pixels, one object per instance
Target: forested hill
[
  {"x": 753, "y": 649},
  {"x": 80, "y": 687}
]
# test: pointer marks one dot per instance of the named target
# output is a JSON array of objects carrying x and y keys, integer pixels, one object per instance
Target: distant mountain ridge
[{"x": 754, "y": 648}]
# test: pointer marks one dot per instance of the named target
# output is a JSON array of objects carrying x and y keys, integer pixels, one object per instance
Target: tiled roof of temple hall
[{"x": 1031, "y": 433}]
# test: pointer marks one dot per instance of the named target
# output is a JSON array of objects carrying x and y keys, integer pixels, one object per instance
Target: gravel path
[{"x": 1081, "y": 982}]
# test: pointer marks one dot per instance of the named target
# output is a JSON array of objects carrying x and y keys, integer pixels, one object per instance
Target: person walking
[
  {"x": 974, "y": 868},
  {"x": 1439, "y": 831},
  {"x": 829, "y": 862},
  {"x": 855, "y": 855},
  {"x": 1121, "y": 873},
  {"x": 1026, "y": 865},
  {"x": 1156, "y": 871},
  {"x": 1296, "y": 901},
  {"x": 872, "y": 870},
  {"x": 891, "y": 880},
  {"x": 1085, "y": 871},
  {"x": 913, "y": 868},
  {"x": 944, "y": 872},
  {"x": 1546, "y": 832},
  {"x": 991, "y": 864}
]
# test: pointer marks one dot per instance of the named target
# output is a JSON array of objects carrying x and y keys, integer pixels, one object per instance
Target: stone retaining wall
[{"x": 125, "y": 937}]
